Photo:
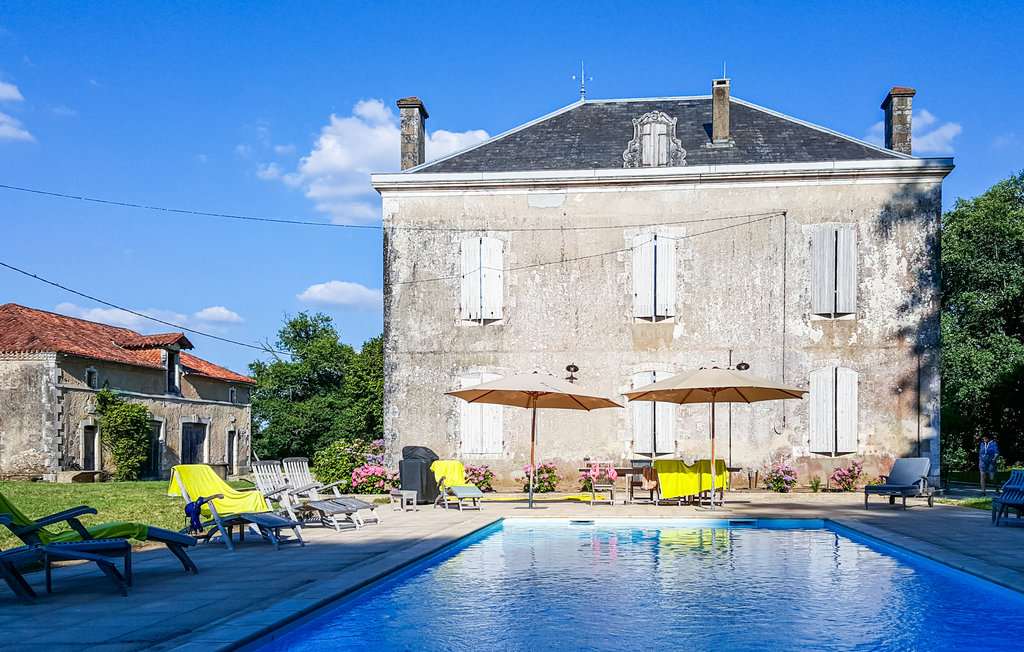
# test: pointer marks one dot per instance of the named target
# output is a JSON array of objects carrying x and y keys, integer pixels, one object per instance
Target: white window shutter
[
  {"x": 471, "y": 278},
  {"x": 664, "y": 420},
  {"x": 846, "y": 270},
  {"x": 470, "y": 418},
  {"x": 643, "y": 275},
  {"x": 490, "y": 422},
  {"x": 665, "y": 289},
  {"x": 822, "y": 410},
  {"x": 846, "y": 410},
  {"x": 643, "y": 417},
  {"x": 492, "y": 270},
  {"x": 823, "y": 271}
]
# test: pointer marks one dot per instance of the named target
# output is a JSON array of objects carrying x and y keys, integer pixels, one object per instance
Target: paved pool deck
[{"x": 246, "y": 595}]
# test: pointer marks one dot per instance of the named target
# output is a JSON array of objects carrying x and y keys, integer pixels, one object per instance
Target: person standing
[{"x": 987, "y": 455}]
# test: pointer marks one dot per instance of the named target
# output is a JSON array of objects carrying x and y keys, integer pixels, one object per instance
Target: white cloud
[
  {"x": 284, "y": 149},
  {"x": 118, "y": 317},
  {"x": 1009, "y": 139},
  {"x": 9, "y": 92},
  {"x": 64, "y": 110},
  {"x": 218, "y": 314},
  {"x": 244, "y": 150},
  {"x": 343, "y": 293},
  {"x": 11, "y": 129},
  {"x": 928, "y": 137},
  {"x": 269, "y": 171},
  {"x": 336, "y": 173}
]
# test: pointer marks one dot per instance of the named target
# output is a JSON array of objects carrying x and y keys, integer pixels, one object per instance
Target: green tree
[
  {"x": 323, "y": 393},
  {"x": 983, "y": 324},
  {"x": 124, "y": 429}
]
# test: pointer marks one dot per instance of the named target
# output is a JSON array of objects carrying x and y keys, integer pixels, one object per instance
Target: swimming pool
[{"x": 619, "y": 585}]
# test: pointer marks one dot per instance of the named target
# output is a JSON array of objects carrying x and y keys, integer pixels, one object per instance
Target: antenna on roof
[{"x": 583, "y": 82}]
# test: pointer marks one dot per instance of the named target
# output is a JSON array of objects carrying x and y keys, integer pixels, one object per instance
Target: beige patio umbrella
[
  {"x": 533, "y": 391},
  {"x": 715, "y": 385}
]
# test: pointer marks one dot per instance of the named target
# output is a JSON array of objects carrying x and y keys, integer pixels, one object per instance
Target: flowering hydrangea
[
  {"x": 846, "y": 479},
  {"x": 781, "y": 479},
  {"x": 348, "y": 462},
  {"x": 373, "y": 479},
  {"x": 545, "y": 479},
  {"x": 481, "y": 476}
]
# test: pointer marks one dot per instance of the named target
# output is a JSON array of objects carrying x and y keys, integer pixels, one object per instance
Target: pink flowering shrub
[
  {"x": 781, "y": 479},
  {"x": 846, "y": 479},
  {"x": 545, "y": 480},
  {"x": 373, "y": 479},
  {"x": 481, "y": 476}
]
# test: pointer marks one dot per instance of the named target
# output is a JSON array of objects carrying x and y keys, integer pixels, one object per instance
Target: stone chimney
[
  {"x": 720, "y": 112},
  {"x": 897, "y": 119},
  {"x": 414, "y": 135}
]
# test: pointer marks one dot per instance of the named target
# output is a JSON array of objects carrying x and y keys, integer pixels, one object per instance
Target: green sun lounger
[
  {"x": 11, "y": 562},
  {"x": 91, "y": 539}
]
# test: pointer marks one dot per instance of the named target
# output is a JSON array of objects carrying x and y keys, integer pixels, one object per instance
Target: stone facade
[
  {"x": 742, "y": 240},
  {"x": 48, "y": 411}
]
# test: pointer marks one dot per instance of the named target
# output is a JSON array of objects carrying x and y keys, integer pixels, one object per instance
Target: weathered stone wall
[
  {"x": 29, "y": 416},
  {"x": 117, "y": 376},
  {"x": 743, "y": 294},
  {"x": 45, "y": 405}
]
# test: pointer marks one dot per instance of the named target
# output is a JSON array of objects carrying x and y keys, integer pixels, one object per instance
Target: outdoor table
[{"x": 404, "y": 499}]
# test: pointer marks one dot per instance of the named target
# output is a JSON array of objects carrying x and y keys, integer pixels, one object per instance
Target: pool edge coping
[{"x": 226, "y": 634}]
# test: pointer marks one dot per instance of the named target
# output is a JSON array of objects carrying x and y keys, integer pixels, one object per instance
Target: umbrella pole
[
  {"x": 533, "y": 445},
  {"x": 712, "y": 450}
]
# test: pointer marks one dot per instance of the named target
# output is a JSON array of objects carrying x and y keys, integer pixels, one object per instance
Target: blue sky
[{"x": 282, "y": 109}]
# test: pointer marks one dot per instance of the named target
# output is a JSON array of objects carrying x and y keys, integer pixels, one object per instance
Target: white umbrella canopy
[
  {"x": 535, "y": 390},
  {"x": 715, "y": 385}
]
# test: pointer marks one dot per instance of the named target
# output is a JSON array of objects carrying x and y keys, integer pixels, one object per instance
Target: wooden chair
[{"x": 602, "y": 478}]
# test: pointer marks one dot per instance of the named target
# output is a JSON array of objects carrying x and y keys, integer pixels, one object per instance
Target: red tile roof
[{"x": 27, "y": 330}]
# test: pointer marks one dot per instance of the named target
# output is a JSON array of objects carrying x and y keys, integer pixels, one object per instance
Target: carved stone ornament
[{"x": 654, "y": 143}]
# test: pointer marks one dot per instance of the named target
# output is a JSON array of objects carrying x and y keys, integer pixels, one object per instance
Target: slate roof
[
  {"x": 593, "y": 134},
  {"x": 27, "y": 330}
]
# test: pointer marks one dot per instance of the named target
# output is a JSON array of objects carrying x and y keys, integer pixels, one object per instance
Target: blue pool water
[{"x": 664, "y": 585}]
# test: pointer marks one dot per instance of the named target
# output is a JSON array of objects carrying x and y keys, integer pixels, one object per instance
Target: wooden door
[{"x": 193, "y": 438}]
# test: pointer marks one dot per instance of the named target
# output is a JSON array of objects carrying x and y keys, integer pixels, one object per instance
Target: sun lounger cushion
[
  {"x": 466, "y": 491},
  {"x": 202, "y": 481}
]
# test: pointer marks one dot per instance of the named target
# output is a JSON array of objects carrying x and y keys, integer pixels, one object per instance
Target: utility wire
[
  {"x": 143, "y": 315},
  {"x": 598, "y": 255},
  {"x": 369, "y": 227}
]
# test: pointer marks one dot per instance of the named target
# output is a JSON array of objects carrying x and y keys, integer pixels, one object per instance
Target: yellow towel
[
  {"x": 452, "y": 471},
  {"x": 677, "y": 478},
  {"x": 721, "y": 475},
  {"x": 200, "y": 480}
]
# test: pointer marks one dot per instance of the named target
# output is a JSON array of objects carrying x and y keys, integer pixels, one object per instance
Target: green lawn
[
  {"x": 975, "y": 503},
  {"x": 144, "y": 502}
]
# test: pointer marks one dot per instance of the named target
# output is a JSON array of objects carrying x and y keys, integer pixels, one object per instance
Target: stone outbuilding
[
  {"x": 51, "y": 368},
  {"x": 638, "y": 238}
]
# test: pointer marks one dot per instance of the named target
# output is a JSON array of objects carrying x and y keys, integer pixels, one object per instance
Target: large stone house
[
  {"x": 640, "y": 238},
  {"x": 52, "y": 366}
]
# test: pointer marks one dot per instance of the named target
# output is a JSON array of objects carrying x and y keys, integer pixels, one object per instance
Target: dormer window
[
  {"x": 654, "y": 143},
  {"x": 171, "y": 362},
  {"x": 92, "y": 378}
]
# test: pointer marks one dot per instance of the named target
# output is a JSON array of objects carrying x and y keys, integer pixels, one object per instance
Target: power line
[
  {"x": 369, "y": 227},
  {"x": 602, "y": 254},
  {"x": 139, "y": 314}
]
